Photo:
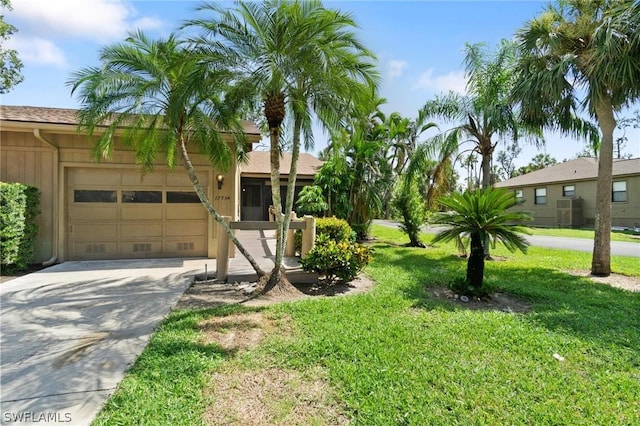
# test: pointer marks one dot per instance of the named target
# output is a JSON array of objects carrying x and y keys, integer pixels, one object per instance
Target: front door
[{"x": 252, "y": 207}]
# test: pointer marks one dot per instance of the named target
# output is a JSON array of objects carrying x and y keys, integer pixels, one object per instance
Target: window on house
[
  {"x": 519, "y": 196},
  {"x": 569, "y": 191},
  {"x": 148, "y": 197},
  {"x": 182, "y": 197},
  {"x": 93, "y": 196},
  {"x": 619, "y": 192},
  {"x": 541, "y": 195}
]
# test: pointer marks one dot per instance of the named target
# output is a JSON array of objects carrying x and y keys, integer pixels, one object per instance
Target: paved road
[
  {"x": 69, "y": 332},
  {"x": 618, "y": 248}
]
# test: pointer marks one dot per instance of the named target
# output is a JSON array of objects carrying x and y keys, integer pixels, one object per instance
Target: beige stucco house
[
  {"x": 256, "y": 181},
  {"x": 108, "y": 209},
  {"x": 564, "y": 195}
]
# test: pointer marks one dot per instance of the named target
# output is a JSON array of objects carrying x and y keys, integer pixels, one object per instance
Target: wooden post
[
  {"x": 222, "y": 257},
  {"x": 290, "y": 249},
  {"x": 308, "y": 235}
]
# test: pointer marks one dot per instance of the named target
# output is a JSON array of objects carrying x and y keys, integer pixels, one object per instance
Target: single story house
[
  {"x": 108, "y": 209},
  {"x": 256, "y": 181},
  {"x": 564, "y": 195}
]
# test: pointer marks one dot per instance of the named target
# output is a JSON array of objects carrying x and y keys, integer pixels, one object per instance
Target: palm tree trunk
[
  {"x": 274, "y": 138},
  {"x": 601, "y": 259},
  {"x": 291, "y": 184},
  {"x": 475, "y": 263},
  {"x": 188, "y": 165}
]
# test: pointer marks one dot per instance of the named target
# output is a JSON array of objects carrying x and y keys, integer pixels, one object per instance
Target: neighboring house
[
  {"x": 107, "y": 209},
  {"x": 564, "y": 195},
  {"x": 256, "y": 181}
]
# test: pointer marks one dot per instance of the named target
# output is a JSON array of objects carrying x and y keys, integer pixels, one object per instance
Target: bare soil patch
[
  {"x": 502, "y": 302},
  {"x": 272, "y": 396},
  {"x": 267, "y": 395},
  {"x": 211, "y": 294},
  {"x": 614, "y": 280}
]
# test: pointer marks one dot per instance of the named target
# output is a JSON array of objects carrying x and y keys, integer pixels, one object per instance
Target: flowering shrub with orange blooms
[{"x": 336, "y": 260}]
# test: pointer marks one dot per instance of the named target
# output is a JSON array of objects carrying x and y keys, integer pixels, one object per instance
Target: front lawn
[
  {"x": 397, "y": 355},
  {"x": 628, "y": 235}
]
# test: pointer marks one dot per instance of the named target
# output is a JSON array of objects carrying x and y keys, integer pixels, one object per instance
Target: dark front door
[{"x": 252, "y": 206}]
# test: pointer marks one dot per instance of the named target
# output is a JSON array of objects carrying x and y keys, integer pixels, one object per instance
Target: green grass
[
  {"x": 629, "y": 236},
  {"x": 398, "y": 356}
]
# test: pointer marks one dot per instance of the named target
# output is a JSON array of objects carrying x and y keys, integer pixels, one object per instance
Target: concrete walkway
[{"x": 69, "y": 333}]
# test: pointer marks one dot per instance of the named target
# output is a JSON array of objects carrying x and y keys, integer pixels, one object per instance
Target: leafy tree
[
  {"x": 10, "y": 63},
  {"x": 483, "y": 216},
  {"x": 538, "y": 162},
  {"x": 505, "y": 160},
  {"x": 578, "y": 47},
  {"x": 411, "y": 206},
  {"x": 296, "y": 58},
  {"x": 310, "y": 201},
  {"x": 164, "y": 100},
  {"x": 487, "y": 111},
  {"x": 621, "y": 142}
]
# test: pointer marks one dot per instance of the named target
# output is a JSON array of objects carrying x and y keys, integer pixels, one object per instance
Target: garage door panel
[
  {"x": 95, "y": 250},
  {"x": 186, "y": 247},
  {"x": 94, "y": 177},
  {"x": 135, "y": 179},
  {"x": 142, "y": 212},
  {"x": 113, "y": 214},
  {"x": 93, "y": 214},
  {"x": 93, "y": 232},
  {"x": 186, "y": 211},
  {"x": 181, "y": 179},
  {"x": 136, "y": 249},
  {"x": 186, "y": 228},
  {"x": 136, "y": 229}
]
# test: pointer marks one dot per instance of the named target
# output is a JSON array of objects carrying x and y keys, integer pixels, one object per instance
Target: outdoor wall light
[{"x": 220, "y": 179}]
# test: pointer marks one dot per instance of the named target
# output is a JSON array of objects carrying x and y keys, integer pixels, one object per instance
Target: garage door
[{"x": 117, "y": 214}]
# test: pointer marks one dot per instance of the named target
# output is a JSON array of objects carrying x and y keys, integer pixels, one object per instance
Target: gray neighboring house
[{"x": 564, "y": 195}]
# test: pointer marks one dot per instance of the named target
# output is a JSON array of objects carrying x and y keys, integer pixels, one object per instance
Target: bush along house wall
[{"x": 19, "y": 206}]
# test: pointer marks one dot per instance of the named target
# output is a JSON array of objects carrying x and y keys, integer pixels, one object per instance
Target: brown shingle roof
[
  {"x": 259, "y": 163},
  {"x": 584, "y": 168},
  {"x": 65, "y": 116}
]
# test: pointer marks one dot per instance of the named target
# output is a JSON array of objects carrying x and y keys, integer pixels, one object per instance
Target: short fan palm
[{"x": 482, "y": 215}]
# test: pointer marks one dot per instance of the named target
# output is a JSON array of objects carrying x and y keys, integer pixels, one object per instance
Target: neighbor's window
[
  {"x": 182, "y": 197},
  {"x": 152, "y": 197},
  {"x": 619, "y": 193},
  {"x": 541, "y": 195},
  {"x": 94, "y": 196},
  {"x": 519, "y": 196},
  {"x": 569, "y": 191}
]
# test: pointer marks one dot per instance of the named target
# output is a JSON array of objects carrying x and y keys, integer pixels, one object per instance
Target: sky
[{"x": 419, "y": 45}]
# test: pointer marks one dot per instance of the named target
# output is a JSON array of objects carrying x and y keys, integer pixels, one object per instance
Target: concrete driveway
[{"x": 69, "y": 333}]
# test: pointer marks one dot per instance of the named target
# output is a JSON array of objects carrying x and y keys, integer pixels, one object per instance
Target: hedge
[{"x": 19, "y": 206}]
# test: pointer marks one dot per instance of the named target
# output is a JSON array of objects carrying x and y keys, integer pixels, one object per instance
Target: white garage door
[{"x": 118, "y": 214}]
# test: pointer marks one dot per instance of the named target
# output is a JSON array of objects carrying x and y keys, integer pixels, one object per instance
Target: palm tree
[
  {"x": 582, "y": 47},
  {"x": 163, "y": 99},
  {"x": 486, "y": 112},
  {"x": 296, "y": 58},
  {"x": 483, "y": 216}
]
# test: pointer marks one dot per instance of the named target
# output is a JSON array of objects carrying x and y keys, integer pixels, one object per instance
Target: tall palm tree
[
  {"x": 581, "y": 47},
  {"x": 487, "y": 112},
  {"x": 482, "y": 215},
  {"x": 165, "y": 100},
  {"x": 295, "y": 58}
]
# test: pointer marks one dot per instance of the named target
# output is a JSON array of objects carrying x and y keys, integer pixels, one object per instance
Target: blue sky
[{"x": 419, "y": 45}]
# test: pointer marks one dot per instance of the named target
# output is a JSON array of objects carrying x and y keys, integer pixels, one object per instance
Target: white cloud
[
  {"x": 99, "y": 20},
  {"x": 37, "y": 51},
  {"x": 395, "y": 68},
  {"x": 453, "y": 81}
]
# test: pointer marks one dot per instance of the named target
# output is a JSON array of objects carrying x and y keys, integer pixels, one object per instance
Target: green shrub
[
  {"x": 412, "y": 208},
  {"x": 311, "y": 201},
  {"x": 337, "y": 229},
  {"x": 19, "y": 205},
  {"x": 336, "y": 260}
]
